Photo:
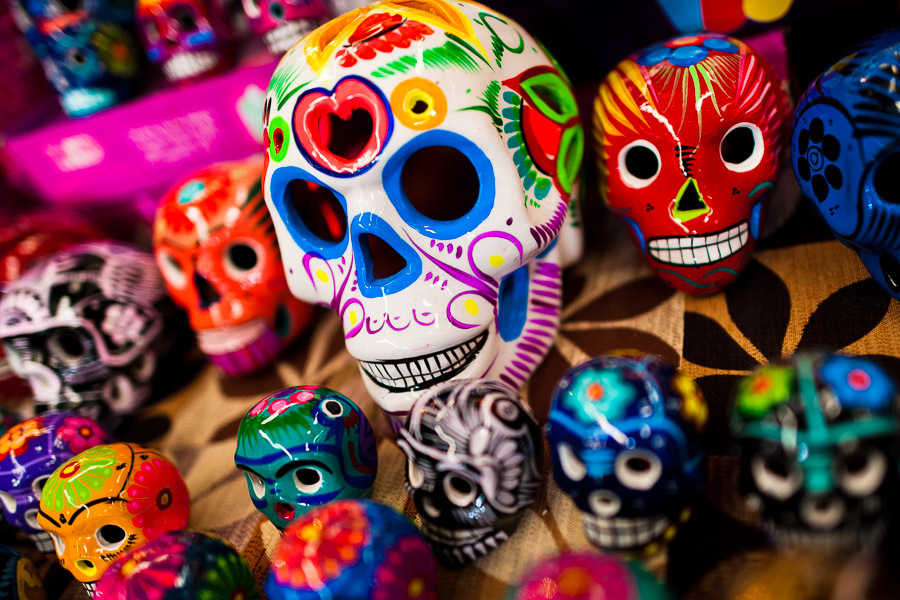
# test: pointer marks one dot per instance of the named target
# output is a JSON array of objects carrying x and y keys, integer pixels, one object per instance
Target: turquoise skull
[{"x": 302, "y": 447}]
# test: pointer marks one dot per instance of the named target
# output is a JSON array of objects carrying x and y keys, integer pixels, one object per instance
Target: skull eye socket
[
  {"x": 333, "y": 408},
  {"x": 30, "y": 517},
  {"x": 58, "y": 544},
  {"x": 638, "y": 469},
  {"x": 171, "y": 270},
  {"x": 184, "y": 18},
  {"x": 308, "y": 480},
  {"x": 741, "y": 148},
  {"x": 440, "y": 183},
  {"x": 318, "y": 211},
  {"x": 67, "y": 346},
  {"x": 774, "y": 476},
  {"x": 110, "y": 537},
  {"x": 251, "y": 8},
  {"x": 887, "y": 184},
  {"x": 37, "y": 486},
  {"x": 861, "y": 473},
  {"x": 257, "y": 485},
  {"x": 639, "y": 164},
  {"x": 151, "y": 33},
  {"x": 241, "y": 258},
  {"x": 415, "y": 475},
  {"x": 70, "y": 5},
  {"x": 459, "y": 490}
]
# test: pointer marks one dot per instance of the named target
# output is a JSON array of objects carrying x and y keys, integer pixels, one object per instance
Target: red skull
[
  {"x": 688, "y": 137},
  {"x": 215, "y": 245}
]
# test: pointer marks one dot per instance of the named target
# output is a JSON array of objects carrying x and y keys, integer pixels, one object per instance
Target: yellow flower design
[{"x": 693, "y": 409}]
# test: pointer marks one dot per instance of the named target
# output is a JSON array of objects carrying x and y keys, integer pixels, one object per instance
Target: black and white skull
[{"x": 475, "y": 457}]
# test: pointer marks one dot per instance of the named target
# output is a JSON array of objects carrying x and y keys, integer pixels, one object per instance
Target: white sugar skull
[{"x": 422, "y": 157}]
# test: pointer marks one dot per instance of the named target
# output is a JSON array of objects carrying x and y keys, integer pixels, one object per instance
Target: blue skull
[
  {"x": 845, "y": 149},
  {"x": 625, "y": 436}
]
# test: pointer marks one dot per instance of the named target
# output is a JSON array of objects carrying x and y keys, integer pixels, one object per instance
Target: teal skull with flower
[{"x": 302, "y": 447}]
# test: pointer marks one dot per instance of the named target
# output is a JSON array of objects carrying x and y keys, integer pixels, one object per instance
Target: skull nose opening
[
  {"x": 384, "y": 260},
  {"x": 206, "y": 293},
  {"x": 86, "y": 567},
  {"x": 689, "y": 204},
  {"x": 348, "y": 137}
]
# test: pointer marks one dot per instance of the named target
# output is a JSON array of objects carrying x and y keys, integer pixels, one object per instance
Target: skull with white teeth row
[
  {"x": 475, "y": 458},
  {"x": 625, "y": 437},
  {"x": 818, "y": 439}
]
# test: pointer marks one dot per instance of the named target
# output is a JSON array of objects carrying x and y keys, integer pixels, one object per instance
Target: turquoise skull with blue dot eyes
[{"x": 302, "y": 447}]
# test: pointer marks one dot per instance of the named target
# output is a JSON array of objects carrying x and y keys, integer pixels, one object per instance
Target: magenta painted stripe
[
  {"x": 539, "y": 302},
  {"x": 534, "y": 340},
  {"x": 508, "y": 380},
  {"x": 519, "y": 365},
  {"x": 531, "y": 348},
  {"x": 546, "y": 311},
  {"x": 526, "y": 357},
  {"x": 545, "y": 294},
  {"x": 543, "y": 322},
  {"x": 547, "y": 283},
  {"x": 515, "y": 373},
  {"x": 539, "y": 332}
]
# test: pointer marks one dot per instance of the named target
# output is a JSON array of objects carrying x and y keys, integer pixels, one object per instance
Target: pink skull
[
  {"x": 188, "y": 39},
  {"x": 281, "y": 23}
]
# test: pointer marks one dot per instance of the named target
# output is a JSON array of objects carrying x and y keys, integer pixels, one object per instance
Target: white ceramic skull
[{"x": 422, "y": 157}]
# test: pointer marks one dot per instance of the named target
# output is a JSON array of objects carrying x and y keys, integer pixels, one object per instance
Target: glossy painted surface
[
  {"x": 475, "y": 456},
  {"x": 422, "y": 156},
  {"x": 187, "y": 39},
  {"x": 624, "y": 432},
  {"x": 818, "y": 441},
  {"x": 588, "y": 576},
  {"x": 86, "y": 49},
  {"x": 179, "y": 565},
  {"x": 281, "y": 23},
  {"x": 108, "y": 500},
  {"x": 19, "y": 578},
  {"x": 845, "y": 149},
  {"x": 689, "y": 135},
  {"x": 302, "y": 447},
  {"x": 84, "y": 328},
  {"x": 29, "y": 453},
  {"x": 216, "y": 248},
  {"x": 352, "y": 550}
]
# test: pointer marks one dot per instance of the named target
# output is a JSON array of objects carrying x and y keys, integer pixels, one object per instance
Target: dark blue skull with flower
[{"x": 625, "y": 434}]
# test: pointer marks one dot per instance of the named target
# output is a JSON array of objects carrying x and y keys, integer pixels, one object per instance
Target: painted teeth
[
  {"x": 700, "y": 250},
  {"x": 222, "y": 340},
  {"x": 623, "y": 533},
  {"x": 453, "y": 536},
  {"x": 280, "y": 39},
  {"x": 461, "y": 554},
  {"x": 188, "y": 64},
  {"x": 422, "y": 371},
  {"x": 90, "y": 587},
  {"x": 840, "y": 540}
]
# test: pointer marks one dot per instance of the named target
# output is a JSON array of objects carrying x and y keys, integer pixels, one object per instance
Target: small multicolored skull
[
  {"x": 625, "y": 438},
  {"x": 108, "y": 500},
  {"x": 818, "y": 439},
  {"x": 352, "y": 550},
  {"x": 302, "y": 447},
  {"x": 422, "y": 157},
  {"x": 475, "y": 458},
  {"x": 589, "y": 576},
  {"x": 19, "y": 578},
  {"x": 187, "y": 39},
  {"x": 86, "y": 49},
  {"x": 281, "y": 23},
  {"x": 29, "y": 453},
  {"x": 86, "y": 328},
  {"x": 845, "y": 149},
  {"x": 688, "y": 136},
  {"x": 179, "y": 565},
  {"x": 216, "y": 248}
]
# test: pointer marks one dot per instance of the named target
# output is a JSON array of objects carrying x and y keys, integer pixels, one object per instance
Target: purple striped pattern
[{"x": 546, "y": 233}]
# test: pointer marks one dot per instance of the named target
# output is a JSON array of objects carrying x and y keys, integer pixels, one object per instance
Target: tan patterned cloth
[{"x": 801, "y": 290}]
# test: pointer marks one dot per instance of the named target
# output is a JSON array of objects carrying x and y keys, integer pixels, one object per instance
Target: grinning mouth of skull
[
  {"x": 843, "y": 539},
  {"x": 410, "y": 374},
  {"x": 90, "y": 587},
  {"x": 691, "y": 250},
  {"x": 461, "y": 546},
  {"x": 622, "y": 533},
  {"x": 222, "y": 340}
]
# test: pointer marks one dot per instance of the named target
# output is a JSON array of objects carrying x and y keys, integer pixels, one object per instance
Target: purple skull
[
  {"x": 281, "y": 23},
  {"x": 29, "y": 453},
  {"x": 188, "y": 39}
]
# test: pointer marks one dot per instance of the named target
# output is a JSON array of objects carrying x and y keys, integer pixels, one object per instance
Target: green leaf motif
[
  {"x": 284, "y": 82},
  {"x": 455, "y": 53},
  {"x": 523, "y": 161},
  {"x": 490, "y": 104}
]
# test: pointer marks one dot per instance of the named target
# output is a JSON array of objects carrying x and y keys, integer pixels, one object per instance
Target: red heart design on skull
[{"x": 342, "y": 132}]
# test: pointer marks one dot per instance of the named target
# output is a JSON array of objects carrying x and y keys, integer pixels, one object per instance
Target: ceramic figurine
[
  {"x": 218, "y": 254},
  {"x": 19, "y": 578},
  {"x": 302, "y": 447},
  {"x": 108, "y": 500},
  {"x": 475, "y": 456},
  {"x": 187, "y": 39},
  {"x": 589, "y": 576},
  {"x": 86, "y": 328},
  {"x": 179, "y": 565},
  {"x": 29, "y": 453},
  {"x": 688, "y": 136},
  {"x": 818, "y": 439},
  {"x": 352, "y": 550},
  {"x": 624, "y": 431},
  {"x": 86, "y": 49},
  {"x": 421, "y": 160},
  {"x": 845, "y": 153},
  {"x": 281, "y": 23}
]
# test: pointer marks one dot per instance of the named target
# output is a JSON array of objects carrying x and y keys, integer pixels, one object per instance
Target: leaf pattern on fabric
[
  {"x": 891, "y": 364},
  {"x": 760, "y": 305},
  {"x": 845, "y": 316},
  {"x": 227, "y": 430},
  {"x": 706, "y": 343},
  {"x": 541, "y": 384},
  {"x": 717, "y": 390},
  {"x": 600, "y": 341},
  {"x": 146, "y": 430},
  {"x": 626, "y": 301}
]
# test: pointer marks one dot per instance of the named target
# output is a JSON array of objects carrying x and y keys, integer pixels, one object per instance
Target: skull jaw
[
  {"x": 633, "y": 534},
  {"x": 845, "y": 539},
  {"x": 240, "y": 349},
  {"x": 459, "y": 547}
]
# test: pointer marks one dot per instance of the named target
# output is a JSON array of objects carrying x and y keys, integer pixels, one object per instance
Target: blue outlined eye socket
[
  {"x": 314, "y": 213},
  {"x": 441, "y": 184}
]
